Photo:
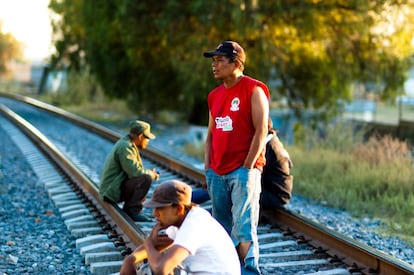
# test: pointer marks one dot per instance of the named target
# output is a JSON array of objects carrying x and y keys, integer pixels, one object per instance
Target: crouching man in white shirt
[{"x": 186, "y": 238}]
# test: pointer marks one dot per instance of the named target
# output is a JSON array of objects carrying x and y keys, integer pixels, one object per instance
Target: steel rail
[
  {"x": 368, "y": 259},
  {"x": 350, "y": 251},
  {"x": 194, "y": 175},
  {"x": 132, "y": 233}
]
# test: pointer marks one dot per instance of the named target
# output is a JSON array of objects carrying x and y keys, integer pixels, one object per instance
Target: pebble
[{"x": 32, "y": 238}]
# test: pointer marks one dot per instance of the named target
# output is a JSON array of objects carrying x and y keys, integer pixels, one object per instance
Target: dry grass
[
  {"x": 369, "y": 179},
  {"x": 382, "y": 149}
]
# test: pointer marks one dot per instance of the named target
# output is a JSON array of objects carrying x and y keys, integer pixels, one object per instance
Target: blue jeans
[
  {"x": 199, "y": 196},
  {"x": 235, "y": 201}
]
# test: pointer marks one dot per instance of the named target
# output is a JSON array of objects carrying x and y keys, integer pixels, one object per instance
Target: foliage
[
  {"x": 194, "y": 149},
  {"x": 84, "y": 97},
  {"x": 368, "y": 178},
  {"x": 337, "y": 136},
  {"x": 310, "y": 52},
  {"x": 383, "y": 150},
  {"x": 10, "y": 49},
  {"x": 11, "y": 85},
  {"x": 80, "y": 89}
]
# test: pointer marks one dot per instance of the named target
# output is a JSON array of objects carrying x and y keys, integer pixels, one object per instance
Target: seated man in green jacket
[{"x": 124, "y": 177}]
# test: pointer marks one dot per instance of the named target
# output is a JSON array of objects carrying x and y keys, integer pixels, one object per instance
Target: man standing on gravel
[
  {"x": 124, "y": 177},
  {"x": 234, "y": 152}
]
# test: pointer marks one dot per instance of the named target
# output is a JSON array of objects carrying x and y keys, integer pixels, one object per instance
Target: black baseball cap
[{"x": 230, "y": 49}]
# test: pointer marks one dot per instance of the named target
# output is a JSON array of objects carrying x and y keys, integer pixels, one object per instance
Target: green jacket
[{"x": 124, "y": 162}]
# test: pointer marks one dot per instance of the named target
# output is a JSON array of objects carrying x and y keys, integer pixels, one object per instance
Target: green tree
[
  {"x": 10, "y": 49},
  {"x": 310, "y": 52},
  {"x": 321, "y": 48},
  {"x": 68, "y": 34}
]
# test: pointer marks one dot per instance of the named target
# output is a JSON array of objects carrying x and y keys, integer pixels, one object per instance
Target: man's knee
[
  {"x": 140, "y": 181},
  {"x": 145, "y": 178},
  {"x": 128, "y": 266}
]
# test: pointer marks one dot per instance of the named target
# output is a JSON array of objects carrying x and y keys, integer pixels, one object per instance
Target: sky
[{"x": 28, "y": 21}]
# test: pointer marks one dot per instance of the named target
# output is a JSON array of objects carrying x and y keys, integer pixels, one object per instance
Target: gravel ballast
[{"x": 34, "y": 239}]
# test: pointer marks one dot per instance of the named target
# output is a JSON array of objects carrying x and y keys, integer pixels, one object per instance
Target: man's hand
[
  {"x": 155, "y": 174},
  {"x": 159, "y": 238}
]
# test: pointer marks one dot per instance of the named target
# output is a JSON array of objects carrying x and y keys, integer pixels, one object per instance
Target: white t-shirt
[{"x": 211, "y": 249}]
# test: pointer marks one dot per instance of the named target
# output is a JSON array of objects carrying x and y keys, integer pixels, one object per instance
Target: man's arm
[
  {"x": 132, "y": 164},
  {"x": 131, "y": 161},
  {"x": 163, "y": 262},
  {"x": 161, "y": 242},
  {"x": 128, "y": 265},
  {"x": 207, "y": 146},
  {"x": 260, "y": 115}
]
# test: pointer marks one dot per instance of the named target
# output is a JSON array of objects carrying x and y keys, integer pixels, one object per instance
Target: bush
[
  {"x": 383, "y": 149},
  {"x": 372, "y": 178}
]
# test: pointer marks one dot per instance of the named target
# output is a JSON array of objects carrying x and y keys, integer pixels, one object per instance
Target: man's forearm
[
  {"x": 140, "y": 254},
  {"x": 255, "y": 149}
]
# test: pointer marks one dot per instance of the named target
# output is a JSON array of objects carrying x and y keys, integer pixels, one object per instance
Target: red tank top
[{"x": 232, "y": 130}]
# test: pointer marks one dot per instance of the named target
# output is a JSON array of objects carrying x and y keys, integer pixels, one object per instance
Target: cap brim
[
  {"x": 150, "y": 136},
  {"x": 213, "y": 53},
  {"x": 155, "y": 204}
]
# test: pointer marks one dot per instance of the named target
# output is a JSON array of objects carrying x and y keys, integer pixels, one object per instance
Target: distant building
[
  {"x": 19, "y": 71},
  {"x": 52, "y": 81},
  {"x": 25, "y": 73}
]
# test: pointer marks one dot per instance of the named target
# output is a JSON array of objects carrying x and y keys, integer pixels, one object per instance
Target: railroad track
[{"x": 289, "y": 243}]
